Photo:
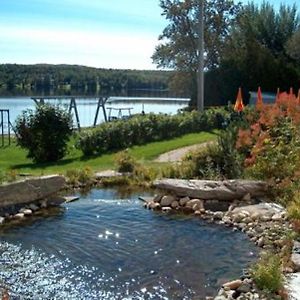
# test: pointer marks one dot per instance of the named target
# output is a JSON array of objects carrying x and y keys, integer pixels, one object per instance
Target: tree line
[
  {"x": 27, "y": 79},
  {"x": 245, "y": 45}
]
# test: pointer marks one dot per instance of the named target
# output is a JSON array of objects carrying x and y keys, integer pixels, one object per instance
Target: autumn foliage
[{"x": 266, "y": 126}]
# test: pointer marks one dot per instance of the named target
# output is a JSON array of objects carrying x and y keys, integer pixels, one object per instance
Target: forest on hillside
[{"x": 18, "y": 79}]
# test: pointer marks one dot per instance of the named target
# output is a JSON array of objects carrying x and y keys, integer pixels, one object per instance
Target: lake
[
  {"x": 87, "y": 107},
  {"x": 107, "y": 246}
]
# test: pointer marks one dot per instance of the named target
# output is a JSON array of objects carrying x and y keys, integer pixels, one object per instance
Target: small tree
[{"x": 44, "y": 132}]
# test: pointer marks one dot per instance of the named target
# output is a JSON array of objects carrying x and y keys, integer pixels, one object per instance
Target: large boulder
[
  {"x": 30, "y": 190},
  {"x": 227, "y": 190},
  {"x": 261, "y": 211}
]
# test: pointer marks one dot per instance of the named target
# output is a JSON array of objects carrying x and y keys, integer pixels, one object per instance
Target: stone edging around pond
[
  {"x": 23, "y": 198},
  {"x": 264, "y": 223}
]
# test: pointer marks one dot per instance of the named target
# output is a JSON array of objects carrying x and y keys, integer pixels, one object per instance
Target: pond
[{"x": 107, "y": 246}]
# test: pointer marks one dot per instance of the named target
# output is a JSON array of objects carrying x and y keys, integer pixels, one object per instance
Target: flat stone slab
[
  {"x": 261, "y": 209},
  {"x": 227, "y": 190},
  {"x": 145, "y": 199},
  {"x": 293, "y": 286},
  {"x": 71, "y": 198},
  {"x": 295, "y": 258},
  {"x": 30, "y": 190},
  {"x": 108, "y": 174}
]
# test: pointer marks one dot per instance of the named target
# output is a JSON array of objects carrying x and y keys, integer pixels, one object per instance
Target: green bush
[
  {"x": 267, "y": 273},
  {"x": 216, "y": 161},
  {"x": 44, "y": 132},
  {"x": 139, "y": 130},
  {"x": 80, "y": 176},
  {"x": 125, "y": 162}
]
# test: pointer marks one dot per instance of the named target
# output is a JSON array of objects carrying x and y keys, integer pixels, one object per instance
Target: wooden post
[
  {"x": 74, "y": 106},
  {"x": 2, "y": 128},
  {"x": 103, "y": 108},
  {"x": 8, "y": 126}
]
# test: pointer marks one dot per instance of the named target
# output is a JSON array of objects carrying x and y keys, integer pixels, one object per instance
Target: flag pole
[{"x": 200, "y": 77}]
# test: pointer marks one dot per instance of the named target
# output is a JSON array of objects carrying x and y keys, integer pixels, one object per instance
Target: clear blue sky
[{"x": 98, "y": 33}]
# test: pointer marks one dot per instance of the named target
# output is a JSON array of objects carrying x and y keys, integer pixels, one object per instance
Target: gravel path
[{"x": 178, "y": 154}]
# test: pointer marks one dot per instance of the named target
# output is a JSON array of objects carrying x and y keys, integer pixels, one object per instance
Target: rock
[
  {"x": 233, "y": 285},
  {"x": 30, "y": 190},
  {"x": 2, "y": 220},
  {"x": 295, "y": 257},
  {"x": 33, "y": 207},
  {"x": 261, "y": 211},
  {"x": 187, "y": 210},
  {"x": 166, "y": 209},
  {"x": 244, "y": 288},
  {"x": 43, "y": 204},
  {"x": 247, "y": 220},
  {"x": 226, "y": 190},
  {"x": 175, "y": 204},
  {"x": 55, "y": 201},
  {"x": 183, "y": 201},
  {"x": 266, "y": 218},
  {"x": 237, "y": 218},
  {"x": 195, "y": 204},
  {"x": 69, "y": 199},
  {"x": 19, "y": 216},
  {"x": 153, "y": 205},
  {"x": 218, "y": 215},
  {"x": 221, "y": 298},
  {"x": 26, "y": 212},
  {"x": 197, "y": 213},
  {"x": 247, "y": 198},
  {"x": 167, "y": 200},
  {"x": 107, "y": 174},
  {"x": 157, "y": 198},
  {"x": 231, "y": 207},
  {"x": 260, "y": 242},
  {"x": 277, "y": 217}
]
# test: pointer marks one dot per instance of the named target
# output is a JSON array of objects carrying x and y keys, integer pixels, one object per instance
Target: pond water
[
  {"x": 107, "y": 246},
  {"x": 87, "y": 107}
]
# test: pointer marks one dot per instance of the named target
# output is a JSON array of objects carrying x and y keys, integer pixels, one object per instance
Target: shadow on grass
[{"x": 34, "y": 166}]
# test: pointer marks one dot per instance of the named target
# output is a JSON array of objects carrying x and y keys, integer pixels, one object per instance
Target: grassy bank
[{"x": 14, "y": 158}]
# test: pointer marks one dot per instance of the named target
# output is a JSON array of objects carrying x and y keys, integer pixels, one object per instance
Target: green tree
[
  {"x": 178, "y": 43},
  {"x": 44, "y": 132},
  {"x": 293, "y": 47},
  {"x": 257, "y": 49}
]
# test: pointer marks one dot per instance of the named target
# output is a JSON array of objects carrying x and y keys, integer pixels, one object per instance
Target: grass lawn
[{"x": 14, "y": 158}]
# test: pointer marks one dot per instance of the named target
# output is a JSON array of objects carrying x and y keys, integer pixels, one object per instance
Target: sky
[{"x": 118, "y": 34}]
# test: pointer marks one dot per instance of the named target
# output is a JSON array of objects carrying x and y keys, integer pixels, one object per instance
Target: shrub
[
  {"x": 267, "y": 273},
  {"x": 125, "y": 162},
  {"x": 293, "y": 209},
  {"x": 82, "y": 176},
  {"x": 139, "y": 130},
  {"x": 44, "y": 132},
  {"x": 216, "y": 161}
]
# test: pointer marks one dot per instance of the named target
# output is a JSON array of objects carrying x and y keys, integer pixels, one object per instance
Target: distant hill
[{"x": 66, "y": 78}]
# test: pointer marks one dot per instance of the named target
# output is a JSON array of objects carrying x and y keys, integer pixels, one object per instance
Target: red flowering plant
[{"x": 271, "y": 143}]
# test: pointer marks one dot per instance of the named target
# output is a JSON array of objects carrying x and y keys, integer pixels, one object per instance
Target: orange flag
[
  {"x": 277, "y": 95},
  {"x": 239, "y": 105},
  {"x": 298, "y": 97},
  {"x": 259, "y": 99},
  {"x": 291, "y": 94}
]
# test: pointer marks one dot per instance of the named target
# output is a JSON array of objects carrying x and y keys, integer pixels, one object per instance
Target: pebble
[{"x": 19, "y": 216}]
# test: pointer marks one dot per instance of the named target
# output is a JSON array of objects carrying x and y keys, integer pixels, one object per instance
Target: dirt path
[{"x": 178, "y": 154}]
